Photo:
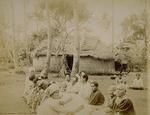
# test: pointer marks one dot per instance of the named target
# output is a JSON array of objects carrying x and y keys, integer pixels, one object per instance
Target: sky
[{"x": 116, "y": 10}]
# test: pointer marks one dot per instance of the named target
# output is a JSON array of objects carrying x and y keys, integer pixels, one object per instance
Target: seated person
[
  {"x": 124, "y": 76},
  {"x": 64, "y": 85},
  {"x": 33, "y": 95},
  {"x": 74, "y": 86},
  {"x": 122, "y": 105},
  {"x": 28, "y": 82},
  {"x": 56, "y": 104},
  {"x": 137, "y": 83},
  {"x": 110, "y": 100},
  {"x": 85, "y": 87},
  {"x": 96, "y": 100},
  {"x": 119, "y": 80},
  {"x": 96, "y": 97}
]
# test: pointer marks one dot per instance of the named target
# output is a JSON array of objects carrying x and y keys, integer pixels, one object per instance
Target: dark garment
[
  {"x": 96, "y": 98},
  {"x": 125, "y": 107}
]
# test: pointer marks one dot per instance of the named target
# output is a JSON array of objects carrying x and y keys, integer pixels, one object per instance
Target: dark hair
[
  {"x": 35, "y": 80},
  {"x": 81, "y": 72},
  {"x": 95, "y": 83},
  {"x": 86, "y": 77},
  {"x": 31, "y": 77},
  {"x": 44, "y": 77}
]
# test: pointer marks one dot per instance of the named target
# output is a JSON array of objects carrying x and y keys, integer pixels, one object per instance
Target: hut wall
[
  {"x": 40, "y": 62},
  {"x": 87, "y": 64},
  {"x": 96, "y": 66}
]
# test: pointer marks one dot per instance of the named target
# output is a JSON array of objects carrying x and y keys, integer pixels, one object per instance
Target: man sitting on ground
[{"x": 96, "y": 100}]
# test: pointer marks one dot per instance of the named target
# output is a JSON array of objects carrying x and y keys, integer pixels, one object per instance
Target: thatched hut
[{"x": 95, "y": 57}]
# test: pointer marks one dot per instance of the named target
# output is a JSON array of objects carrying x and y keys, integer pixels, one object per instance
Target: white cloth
[
  {"x": 138, "y": 83},
  {"x": 85, "y": 91},
  {"x": 49, "y": 107}
]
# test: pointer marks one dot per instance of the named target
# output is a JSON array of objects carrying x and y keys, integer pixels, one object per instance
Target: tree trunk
[
  {"x": 13, "y": 36},
  {"x": 147, "y": 40},
  {"x": 25, "y": 35},
  {"x": 76, "y": 58},
  {"x": 50, "y": 37}
]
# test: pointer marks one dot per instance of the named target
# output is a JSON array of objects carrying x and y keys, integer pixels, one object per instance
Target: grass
[{"x": 12, "y": 86}]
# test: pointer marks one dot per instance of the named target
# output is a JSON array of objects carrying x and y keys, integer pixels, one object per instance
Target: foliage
[
  {"x": 134, "y": 27},
  {"x": 134, "y": 36}
]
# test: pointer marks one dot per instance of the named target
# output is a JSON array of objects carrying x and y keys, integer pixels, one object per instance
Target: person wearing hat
[{"x": 122, "y": 105}]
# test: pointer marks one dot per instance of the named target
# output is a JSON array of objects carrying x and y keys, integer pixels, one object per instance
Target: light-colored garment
[
  {"x": 77, "y": 104},
  {"x": 119, "y": 81},
  {"x": 85, "y": 91},
  {"x": 50, "y": 107},
  {"x": 28, "y": 86},
  {"x": 73, "y": 88},
  {"x": 64, "y": 86},
  {"x": 138, "y": 83},
  {"x": 53, "y": 107}
]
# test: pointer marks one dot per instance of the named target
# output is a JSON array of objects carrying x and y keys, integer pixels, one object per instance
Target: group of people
[
  {"x": 137, "y": 83},
  {"x": 74, "y": 96}
]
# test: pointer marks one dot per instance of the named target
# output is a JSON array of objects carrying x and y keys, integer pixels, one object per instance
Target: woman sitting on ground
[
  {"x": 74, "y": 86},
  {"x": 64, "y": 85},
  {"x": 137, "y": 83},
  {"x": 85, "y": 87}
]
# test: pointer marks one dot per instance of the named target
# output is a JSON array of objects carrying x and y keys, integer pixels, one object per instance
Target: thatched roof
[{"x": 89, "y": 47}]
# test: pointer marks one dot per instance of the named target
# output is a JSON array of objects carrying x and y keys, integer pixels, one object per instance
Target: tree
[
  {"x": 76, "y": 61},
  {"x": 65, "y": 11},
  {"x": 13, "y": 36},
  {"x": 134, "y": 34}
]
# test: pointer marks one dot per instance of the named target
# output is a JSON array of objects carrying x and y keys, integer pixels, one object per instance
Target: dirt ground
[{"x": 12, "y": 86}]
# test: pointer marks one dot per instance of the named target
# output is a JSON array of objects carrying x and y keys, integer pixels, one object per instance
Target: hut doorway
[{"x": 69, "y": 63}]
